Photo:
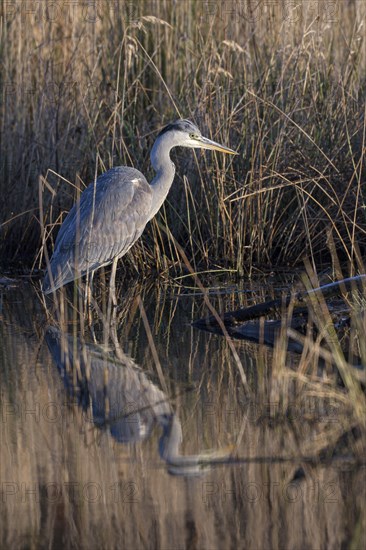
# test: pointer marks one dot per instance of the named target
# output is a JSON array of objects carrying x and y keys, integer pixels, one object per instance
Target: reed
[{"x": 86, "y": 89}]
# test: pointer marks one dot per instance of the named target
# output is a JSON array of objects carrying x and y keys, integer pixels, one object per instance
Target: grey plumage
[
  {"x": 109, "y": 217},
  {"x": 112, "y": 212}
]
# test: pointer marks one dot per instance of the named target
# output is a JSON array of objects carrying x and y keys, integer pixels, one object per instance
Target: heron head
[{"x": 184, "y": 133}]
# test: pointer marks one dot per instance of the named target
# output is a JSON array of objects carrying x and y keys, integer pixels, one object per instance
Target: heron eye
[{"x": 193, "y": 136}]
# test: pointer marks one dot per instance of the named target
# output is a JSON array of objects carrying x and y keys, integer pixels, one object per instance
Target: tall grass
[{"x": 283, "y": 84}]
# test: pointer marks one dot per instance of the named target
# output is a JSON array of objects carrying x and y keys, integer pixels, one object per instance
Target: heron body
[
  {"x": 109, "y": 217},
  {"x": 113, "y": 211}
]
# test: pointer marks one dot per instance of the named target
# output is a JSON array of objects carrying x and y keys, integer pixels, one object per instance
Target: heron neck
[{"x": 165, "y": 171}]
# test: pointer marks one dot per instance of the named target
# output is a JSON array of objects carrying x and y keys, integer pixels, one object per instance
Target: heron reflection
[{"x": 122, "y": 399}]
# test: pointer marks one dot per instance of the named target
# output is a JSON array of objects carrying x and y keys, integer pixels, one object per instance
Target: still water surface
[{"x": 154, "y": 440}]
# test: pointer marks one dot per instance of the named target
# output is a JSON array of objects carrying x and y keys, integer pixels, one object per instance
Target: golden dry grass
[{"x": 284, "y": 84}]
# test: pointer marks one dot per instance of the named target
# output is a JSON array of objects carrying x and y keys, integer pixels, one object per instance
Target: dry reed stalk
[{"x": 285, "y": 88}]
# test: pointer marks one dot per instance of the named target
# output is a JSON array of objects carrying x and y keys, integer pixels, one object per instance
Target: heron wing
[{"x": 109, "y": 217}]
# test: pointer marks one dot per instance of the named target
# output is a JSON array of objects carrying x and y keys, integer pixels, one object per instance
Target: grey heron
[{"x": 113, "y": 211}]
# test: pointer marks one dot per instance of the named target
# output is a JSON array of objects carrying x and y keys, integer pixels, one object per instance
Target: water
[{"x": 155, "y": 442}]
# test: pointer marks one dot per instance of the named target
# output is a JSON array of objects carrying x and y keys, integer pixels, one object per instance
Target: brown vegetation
[{"x": 85, "y": 90}]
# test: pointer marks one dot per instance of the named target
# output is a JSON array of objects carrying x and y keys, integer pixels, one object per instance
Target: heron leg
[
  {"x": 112, "y": 283},
  {"x": 89, "y": 296}
]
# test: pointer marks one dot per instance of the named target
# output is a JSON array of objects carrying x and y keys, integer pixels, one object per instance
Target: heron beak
[{"x": 205, "y": 143}]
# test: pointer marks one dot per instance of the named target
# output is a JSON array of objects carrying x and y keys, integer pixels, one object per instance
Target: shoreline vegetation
[{"x": 85, "y": 89}]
